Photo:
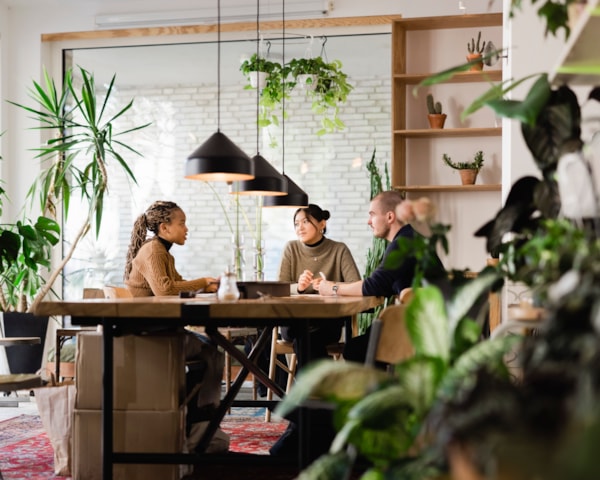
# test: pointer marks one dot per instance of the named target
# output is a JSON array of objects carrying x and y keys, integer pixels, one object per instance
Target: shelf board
[
  {"x": 449, "y": 188},
  {"x": 451, "y": 21},
  {"x": 460, "y": 77},
  {"x": 450, "y": 132},
  {"x": 579, "y": 63}
]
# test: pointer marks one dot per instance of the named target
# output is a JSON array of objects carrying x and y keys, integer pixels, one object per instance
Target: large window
[{"x": 174, "y": 87}]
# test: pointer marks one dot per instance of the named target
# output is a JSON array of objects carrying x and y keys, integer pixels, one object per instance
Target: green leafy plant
[
  {"x": 377, "y": 249},
  {"x": 74, "y": 162},
  {"x": 383, "y": 420},
  {"x": 331, "y": 89},
  {"x": 25, "y": 251},
  {"x": 434, "y": 108},
  {"x": 554, "y": 12},
  {"x": 474, "y": 164},
  {"x": 275, "y": 89}
]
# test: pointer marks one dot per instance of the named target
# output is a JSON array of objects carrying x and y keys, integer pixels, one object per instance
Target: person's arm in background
[{"x": 353, "y": 289}]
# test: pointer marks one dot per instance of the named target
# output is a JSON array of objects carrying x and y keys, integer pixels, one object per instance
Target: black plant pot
[{"x": 25, "y": 358}]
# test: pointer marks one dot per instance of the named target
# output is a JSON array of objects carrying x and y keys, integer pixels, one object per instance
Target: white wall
[{"x": 23, "y": 21}]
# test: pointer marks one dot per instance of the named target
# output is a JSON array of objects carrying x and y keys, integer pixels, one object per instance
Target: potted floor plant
[
  {"x": 468, "y": 170},
  {"x": 81, "y": 142}
]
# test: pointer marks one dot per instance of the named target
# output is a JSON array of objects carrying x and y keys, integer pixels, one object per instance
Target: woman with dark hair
[{"x": 305, "y": 262}]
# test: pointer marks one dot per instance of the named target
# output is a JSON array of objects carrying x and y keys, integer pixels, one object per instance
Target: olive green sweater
[
  {"x": 153, "y": 273},
  {"x": 330, "y": 257}
]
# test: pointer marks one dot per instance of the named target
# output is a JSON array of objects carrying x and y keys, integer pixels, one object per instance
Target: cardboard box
[
  {"x": 149, "y": 372},
  {"x": 134, "y": 431}
]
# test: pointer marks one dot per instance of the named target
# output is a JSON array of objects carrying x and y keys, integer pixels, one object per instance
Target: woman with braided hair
[{"x": 150, "y": 268}]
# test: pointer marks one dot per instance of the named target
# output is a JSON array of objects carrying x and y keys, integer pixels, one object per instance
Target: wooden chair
[
  {"x": 389, "y": 341},
  {"x": 280, "y": 347},
  {"x": 116, "y": 292}
]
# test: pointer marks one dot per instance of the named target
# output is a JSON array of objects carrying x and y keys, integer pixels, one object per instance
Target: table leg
[
  {"x": 57, "y": 358},
  {"x": 248, "y": 365}
]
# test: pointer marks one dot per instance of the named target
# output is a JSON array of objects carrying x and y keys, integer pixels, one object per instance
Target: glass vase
[
  {"x": 258, "y": 262},
  {"x": 238, "y": 259}
]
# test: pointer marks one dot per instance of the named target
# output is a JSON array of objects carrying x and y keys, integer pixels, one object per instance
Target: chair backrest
[
  {"x": 389, "y": 341},
  {"x": 93, "y": 293},
  {"x": 116, "y": 292}
]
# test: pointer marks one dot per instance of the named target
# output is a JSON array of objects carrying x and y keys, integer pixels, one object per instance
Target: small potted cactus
[
  {"x": 468, "y": 170},
  {"x": 475, "y": 53},
  {"x": 435, "y": 116}
]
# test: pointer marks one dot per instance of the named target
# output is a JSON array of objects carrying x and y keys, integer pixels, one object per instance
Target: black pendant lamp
[
  {"x": 267, "y": 180},
  {"x": 296, "y": 197},
  {"x": 218, "y": 158}
]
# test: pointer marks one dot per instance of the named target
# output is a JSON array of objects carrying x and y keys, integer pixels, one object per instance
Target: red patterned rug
[{"x": 26, "y": 452}]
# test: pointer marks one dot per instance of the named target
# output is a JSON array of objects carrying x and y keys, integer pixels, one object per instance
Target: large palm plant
[{"x": 81, "y": 143}]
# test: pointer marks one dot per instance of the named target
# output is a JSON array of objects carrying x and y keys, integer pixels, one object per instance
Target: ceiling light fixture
[
  {"x": 296, "y": 197},
  {"x": 218, "y": 158}
]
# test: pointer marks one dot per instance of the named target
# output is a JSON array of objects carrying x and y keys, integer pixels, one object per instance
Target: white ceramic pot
[
  {"x": 307, "y": 82},
  {"x": 258, "y": 79}
]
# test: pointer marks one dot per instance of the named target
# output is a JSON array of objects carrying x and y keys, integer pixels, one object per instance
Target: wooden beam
[{"x": 225, "y": 27}]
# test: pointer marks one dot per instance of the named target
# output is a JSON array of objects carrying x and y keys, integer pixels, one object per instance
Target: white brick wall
[{"x": 185, "y": 116}]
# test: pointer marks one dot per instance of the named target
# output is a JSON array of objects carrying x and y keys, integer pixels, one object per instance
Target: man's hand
[{"x": 325, "y": 288}]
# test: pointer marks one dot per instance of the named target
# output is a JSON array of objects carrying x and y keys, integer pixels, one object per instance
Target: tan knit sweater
[
  {"x": 153, "y": 273},
  {"x": 330, "y": 257}
]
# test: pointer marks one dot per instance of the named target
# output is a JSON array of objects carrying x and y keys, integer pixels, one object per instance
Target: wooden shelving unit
[
  {"x": 422, "y": 47},
  {"x": 403, "y": 79}
]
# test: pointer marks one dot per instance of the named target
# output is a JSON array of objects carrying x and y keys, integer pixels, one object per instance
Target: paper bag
[{"x": 55, "y": 405}]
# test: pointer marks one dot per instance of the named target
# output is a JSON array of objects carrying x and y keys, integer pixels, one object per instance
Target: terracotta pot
[
  {"x": 468, "y": 176},
  {"x": 436, "y": 120},
  {"x": 477, "y": 67}
]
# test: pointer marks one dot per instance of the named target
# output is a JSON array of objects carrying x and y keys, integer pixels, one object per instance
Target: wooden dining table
[{"x": 131, "y": 315}]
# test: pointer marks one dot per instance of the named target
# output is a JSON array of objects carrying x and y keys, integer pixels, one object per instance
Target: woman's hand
[
  {"x": 212, "y": 284},
  {"x": 304, "y": 280}
]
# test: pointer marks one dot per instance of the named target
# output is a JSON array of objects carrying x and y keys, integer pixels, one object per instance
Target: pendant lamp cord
[
  {"x": 283, "y": 94},
  {"x": 257, "y": 85},
  {"x": 219, "y": 65}
]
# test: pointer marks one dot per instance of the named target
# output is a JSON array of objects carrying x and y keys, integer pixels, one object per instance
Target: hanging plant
[
  {"x": 272, "y": 90},
  {"x": 329, "y": 88}
]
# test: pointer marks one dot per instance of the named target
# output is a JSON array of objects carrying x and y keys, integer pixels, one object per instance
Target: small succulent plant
[
  {"x": 474, "y": 164},
  {"x": 476, "y": 47},
  {"x": 433, "y": 107}
]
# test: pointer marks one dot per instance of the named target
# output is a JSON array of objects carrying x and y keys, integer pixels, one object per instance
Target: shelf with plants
[{"x": 422, "y": 47}]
